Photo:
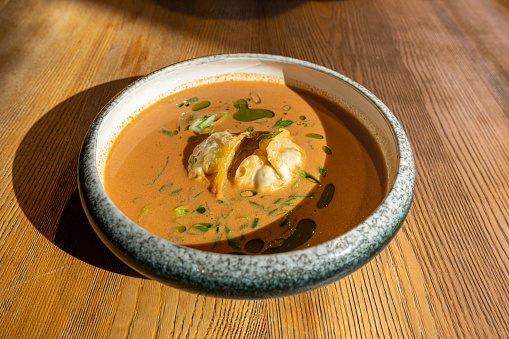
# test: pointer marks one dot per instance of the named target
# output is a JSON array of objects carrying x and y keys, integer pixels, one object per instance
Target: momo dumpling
[
  {"x": 212, "y": 156},
  {"x": 256, "y": 172},
  {"x": 273, "y": 165}
]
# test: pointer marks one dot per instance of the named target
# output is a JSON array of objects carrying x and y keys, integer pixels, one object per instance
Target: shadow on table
[
  {"x": 236, "y": 10},
  {"x": 44, "y": 176}
]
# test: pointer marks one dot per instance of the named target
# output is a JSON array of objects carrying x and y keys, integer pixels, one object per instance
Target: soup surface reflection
[{"x": 341, "y": 180}]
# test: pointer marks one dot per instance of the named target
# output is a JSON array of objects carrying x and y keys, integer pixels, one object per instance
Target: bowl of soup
[{"x": 246, "y": 176}]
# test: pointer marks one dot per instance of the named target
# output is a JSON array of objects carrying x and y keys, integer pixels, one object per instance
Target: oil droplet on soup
[{"x": 339, "y": 182}]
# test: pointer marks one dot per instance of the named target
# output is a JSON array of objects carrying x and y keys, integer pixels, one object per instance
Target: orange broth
[{"x": 146, "y": 171}]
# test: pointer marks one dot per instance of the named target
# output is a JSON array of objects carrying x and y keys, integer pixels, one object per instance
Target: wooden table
[{"x": 441, "y": 66}]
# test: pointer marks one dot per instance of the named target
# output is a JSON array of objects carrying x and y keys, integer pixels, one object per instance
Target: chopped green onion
[
  {"x": 256, "y": 204},
  {"x": 202, "y": 226},
  {"x": 188, "y": 102},
  {"x": 322, "y": 171},
  {"x": 177, "y": 191},
  {"x": 255, "y": 223},
  {"x": 302, "y": 117},
  {"x": 167, "y": 132},
  {"x": 283, "y": 123},
  {"x": 207, "y": 121},
  {"x": 200, "y": 209},
  {"x": 144, "y": 212},
  {"x": 248, "y": 193},
  {"x": 258, "y": 100},
  {"x": 181, "y": 229},
  {"x": 268, "y": 135},
  {"x": 181, "y": 210},
  {"x": 309, "y": 177},
  {"x": 286, "y": 108},
  {"x": 160, "y": 173}
]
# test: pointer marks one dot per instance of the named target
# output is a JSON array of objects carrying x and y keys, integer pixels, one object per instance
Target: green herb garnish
[
  {"x": 255, "y": 223},
  {"x": 143, "y": 214},
  {"x": 200, "y": 209},
  {"x": 283, "y": 123},
  {"x": 160, "y": 173},
  {"x": 202, "y": 226},
  {"x": 181, "y": 229},
  {"x": 258, "y": 100},
  {"x": 177, "y": 191},
  {"x": 309, "y": 177},
  {"x": 268, "y": 135},
  {"x": 181, "y": 210},
  {"x": 188, "y": 102},
  {"x": 248, "y": 193},
  {"x": 207, "y": 121},
  {"x": 256, "y": 204},
  {"x": 167, "y": 132},
  {"x": 322, "y": 171}
]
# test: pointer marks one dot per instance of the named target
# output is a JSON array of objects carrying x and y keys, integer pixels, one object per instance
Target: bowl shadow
[{"x": 44, "y": 176}]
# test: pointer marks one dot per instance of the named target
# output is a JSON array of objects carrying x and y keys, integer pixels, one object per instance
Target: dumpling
[
  {"x": 273, "y": 165},
  {"x": 256, "y": 172},
  {"x": 214, "y": 156},
  {"x": 284, "y": 155}
]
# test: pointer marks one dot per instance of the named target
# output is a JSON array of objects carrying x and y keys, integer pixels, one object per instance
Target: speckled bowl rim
[{"x": 235, "y": 276}]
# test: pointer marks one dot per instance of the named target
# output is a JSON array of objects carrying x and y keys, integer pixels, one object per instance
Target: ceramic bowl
[{"x": 236, "y": 276}]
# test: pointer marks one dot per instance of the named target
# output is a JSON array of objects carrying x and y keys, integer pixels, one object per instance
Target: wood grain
[{"x": 440, "y": 66}]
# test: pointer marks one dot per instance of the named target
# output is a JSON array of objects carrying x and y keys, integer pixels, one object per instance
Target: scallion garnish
[
  {"x": 207, "y": 121},
  {"x": 255, "y": 223},
  {"x": 256, "y": 99},
  {"x": 268, "y": 135},
  {"x": 248, "y": 193},
  {"x": 322, "y": 171},
  {"x": 256, "y": 204},
  {"x": 309, "y": 177},
  {"x": 181, "y": 210},
  {"x": 202, "y": 226},
  {"x": 283, "y": 123},
  {"x": 181, "y": 229},
  {"x": 167, "y": 132},
  {"x": 177, "y": 191},
  {"x": 188, "y": 102},
  {"x": 200, "y": 209}
]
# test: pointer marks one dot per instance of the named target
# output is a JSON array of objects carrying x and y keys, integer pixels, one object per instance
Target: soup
[{"x": 246, "y": 167}]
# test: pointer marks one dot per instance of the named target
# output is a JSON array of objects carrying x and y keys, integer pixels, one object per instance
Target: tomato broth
[{"x": 342, "y": 180}]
